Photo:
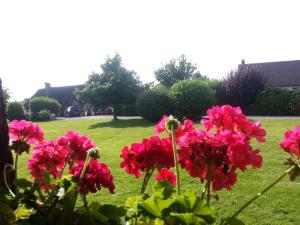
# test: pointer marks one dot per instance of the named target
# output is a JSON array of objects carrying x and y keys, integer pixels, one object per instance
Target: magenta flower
[
  {"x": 166, "y": 175},
  {"x": 291, "y": 142},
  {"x": 96, "y": 176}
]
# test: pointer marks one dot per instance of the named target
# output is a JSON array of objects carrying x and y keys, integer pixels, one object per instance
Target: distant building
[
  {"x": 283, "y": 74},
  {"x": 64, "y": 95}
]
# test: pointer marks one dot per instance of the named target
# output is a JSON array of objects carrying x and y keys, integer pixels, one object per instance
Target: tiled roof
[{"x": 279, "y": 74}]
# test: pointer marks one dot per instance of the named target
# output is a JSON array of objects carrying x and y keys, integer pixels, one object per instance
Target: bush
[
  {"x": 155, "y": 103},
  {"x": 38, "y": 104},
  {"x": 128, "y": 110},
  {"x": 273, "y": 102},
  {"x": 15, "y": 111},
  {"x": 294, "y": 104},
  {"x": 192, "y": 98},
  {"x": 44, "y": 115},
  {"x": 240, "y": 87}
]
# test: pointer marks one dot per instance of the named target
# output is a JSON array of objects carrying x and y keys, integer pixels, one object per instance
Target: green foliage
[
  {"x": 15, "y": 111},
  {"x": 192, "y": 98},
  {"x": 7, "y": 216},
  {"x": 6, "y": 95},
  {"x": 273, "y": 101},
  {"x": 294, "y": 104},
  {"x": 44, "y": 115},
  {"x": 165, "y": 207},
  {"x": 114, "y": 87},
  {"x": 128, "y": 110},
  {"x": 155, "y": 103},
  {"x": 38, "y": 104},
  {"x": 176, "y": 70},
  {"x": 240, "y": 87}
]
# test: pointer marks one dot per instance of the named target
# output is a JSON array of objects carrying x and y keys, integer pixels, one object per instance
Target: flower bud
[
  {"x": 172, "y": 121},
  {"x": 94, "y": 153}
]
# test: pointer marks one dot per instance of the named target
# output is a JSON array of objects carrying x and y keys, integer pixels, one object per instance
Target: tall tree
[
  {"x": 176, "y": 70},
  {"x": 114, "y": 87},
  {"x": 5, "y": 153},
  {"x": 6, "y": 95}
]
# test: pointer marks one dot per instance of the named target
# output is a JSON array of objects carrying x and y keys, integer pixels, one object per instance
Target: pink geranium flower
[
  {"x": 166, "y": 175},
  {"x": 77, "y": 145},
  {"x": 25, "y": 131},
  {"x": 96, "y": 176},
  {"x": 150, "y": 154},
  {"x": 291, "y": 142},
  {"x": 48, "y": 157}
]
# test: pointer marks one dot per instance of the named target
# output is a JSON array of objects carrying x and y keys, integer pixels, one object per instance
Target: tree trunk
[
  {"x": 5, "y": 153},
  {"x": 115, "y": 112},
  {"x": 115, "y": 115}
]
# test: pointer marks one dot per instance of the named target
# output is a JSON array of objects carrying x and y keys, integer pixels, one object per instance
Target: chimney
[
  {"x": 243, "y": 62},
  {"x": 47, "y": 85}
]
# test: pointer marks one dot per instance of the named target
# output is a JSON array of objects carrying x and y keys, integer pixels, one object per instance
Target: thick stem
[
  {"x": 5, "y": 181},
  {"x": 260, "y": 194},
  {"x": 175, "y": 159}
]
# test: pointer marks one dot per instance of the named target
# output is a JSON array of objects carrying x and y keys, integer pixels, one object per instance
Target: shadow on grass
[{"x": 122, "y": 124}]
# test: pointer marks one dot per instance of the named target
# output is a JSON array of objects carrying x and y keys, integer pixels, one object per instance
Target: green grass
[{"x": 279, "y": 206}]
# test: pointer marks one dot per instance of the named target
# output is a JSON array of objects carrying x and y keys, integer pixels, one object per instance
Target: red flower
[
  {"x": 291, "y": 142},
  {"x": 187, "y": 126},
  {"x": 217, "y": 156},
  {"x": 231, "y": 118},
  {"x": 166, "y": 175},
  {"x": 77, "y": 144},
  {"x": 96, "y": 176},
  {"x": 152, "y": 153},
  {"x": 25, "y": 131},
  {"x": 48, "y": 157}
]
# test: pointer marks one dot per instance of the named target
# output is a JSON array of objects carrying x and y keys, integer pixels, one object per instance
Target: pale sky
[{"x": 62, "y": 42}]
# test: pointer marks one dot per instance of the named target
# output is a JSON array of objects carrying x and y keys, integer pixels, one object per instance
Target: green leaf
[
  {"x": 132, "y": 202},
  {"x": 155, "y": 206},
  {"x": 163, "y": 189},
  {"x": 23, "y": 212},
  {"x": 22, "y": 183},
  {"x": 188, "y": 218},
  {"x": 232, "y": 221},
  {"x": 112, "y": 212},
  {"x": 159, "y": 222},
  {"x": 94, "y": 211}
]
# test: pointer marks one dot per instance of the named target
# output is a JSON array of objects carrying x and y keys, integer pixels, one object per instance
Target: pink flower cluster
[
  {"x": 150, "y": 154},
  {"x": 216, "y": 156},
  {"x": 22, "y": 130},
  {"x": 96, "y": 176},
  {"x": 48, "y": 157},
  {"x": 77, "y": 145},
  {"x": 291, "y": 142},
  {"x": 52, "y": 157},
  {"x": 166, "y": 175}
]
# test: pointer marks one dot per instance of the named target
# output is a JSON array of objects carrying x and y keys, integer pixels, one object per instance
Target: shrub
[
  {"x": 38, "y": 104},
  {"x": 192, "y": 98},
  {"x": 15, "y": 111},
  {"x": 44, "y": 115},
  {"x": 273, "y": 101},
  {"x": 294, "y": 104},
  {"x": 240, "y": 87},
  {"x": 154, "y": 103}
]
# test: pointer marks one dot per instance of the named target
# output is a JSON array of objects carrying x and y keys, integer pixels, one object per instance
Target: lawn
[{"x": 279, "y": 206}]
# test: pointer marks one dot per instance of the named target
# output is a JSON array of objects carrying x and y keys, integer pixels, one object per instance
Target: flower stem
[
  {"x": 260, "y": 194},
  {"x": 175, "y": 159},
  {"x": 208, "y": 187},
  {"x": 146, "y": 180},
  {"x": 87, "y": 208},
  {"x": 16, "y": 164}
]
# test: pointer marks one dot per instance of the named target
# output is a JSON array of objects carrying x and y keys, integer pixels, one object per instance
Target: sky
[{"x": 62, "y": 42}]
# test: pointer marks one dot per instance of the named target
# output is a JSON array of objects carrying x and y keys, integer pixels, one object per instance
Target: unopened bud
[
  {"x": 94, "y": 153},
  {"x": 172, "y": 121}
]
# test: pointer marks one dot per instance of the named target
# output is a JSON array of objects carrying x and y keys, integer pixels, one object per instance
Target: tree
[
  {"x": 114, "y": 87},
  {"x": 6, "y": 95},
  {"x": 5, "y": 153},
  {"x": 241, "y": 87},
  {"x": 15, "y": 111},
  {"x": 176, "y": 70}
]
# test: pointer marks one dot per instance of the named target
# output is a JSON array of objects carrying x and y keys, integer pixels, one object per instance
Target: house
[
  {"x": 64, "y": 95},
  {"x": 283, "y": 74}
]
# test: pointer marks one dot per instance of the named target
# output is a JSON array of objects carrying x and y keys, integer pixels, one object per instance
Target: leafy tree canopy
[
  {"x": 176, "y": 70},
  {"x": 114, "y": 87}
]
